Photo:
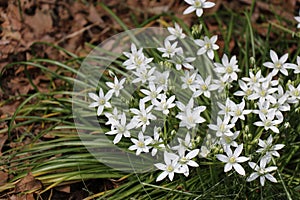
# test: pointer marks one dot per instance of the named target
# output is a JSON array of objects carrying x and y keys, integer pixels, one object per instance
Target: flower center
[
  {"x": 296, "y": 93},
  {"x": 141, "y": 144},
  {"x": 208, "y": 46},
  {"x": 189, "y": 81},
  {"x": 143, "y": 119},
  {"x": 153, "y": 94},
  {"x": 204, "y": 87},
  {"x": 238, "y": 112},
  {"x": 170, "y": 168},
  {"x": 198, "y": 4},
  {"x": 229, "y": 69},
  {"x": 268, "y": 123},
  {"x": 278, "y": 65},
  {"x": 222, "y": 128},
  {"x": 232, "y": 159},
  {"x": 227, "y": 139},
  {"x": 183, "y": 160},
  {"x": 261, "y": 171},
  {"x": 102, "y": 101}
]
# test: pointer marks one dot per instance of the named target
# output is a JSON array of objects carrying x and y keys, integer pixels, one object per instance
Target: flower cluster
[{"x": 263, "y": 97}]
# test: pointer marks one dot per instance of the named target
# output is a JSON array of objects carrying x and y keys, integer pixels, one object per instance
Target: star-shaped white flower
[
  {"x": 116, "y": 86},
  {"x": 140, "y": 145},
  {"x": 222, "y": 127},
  {"x": 186, "y": 160},
  {"x": 170, "y": 167},
  {"x": 170, "y": 49},
  {"x": 207, "y": 46},
  {"x": 164, "y": 104},
  {"x": 262, "y": 172},
  {"x": 268, "y": 149},
  {"x": 269, "y": 122},
  {"x": 295, "y": 67},
  {"x": 197, "y": 5},
  {"x": 228, "y": 69},
  {"x": 101, "y": 101},
  {"x": 277, "y": 64},
  {"x": 175, "y": 33},
  {"x": 233, "y": 160}
]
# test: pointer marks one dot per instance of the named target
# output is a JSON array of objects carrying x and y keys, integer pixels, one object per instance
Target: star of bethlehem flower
[
  {"x": 297, "y": 18},
  {"x": 222, "y": 127},
  {"x": 169, "y": 168},
  {"x": 204, "y": 151},
  {"x": 264, "y": 108},
  {"x": 136, "y": 59},
  {"x": 238, "y": 111},
  {"x": 268, "y": 149},
  {"x": 181, "y": 61},
  {"x": 277, "y": 64},
  {"x": 140, "y": 145},
  {"x": 190, "y": 117},
  {"x": 170, "y": 49},
  {"x": 184, "y": 144},
  {"x": 228, "y": 69},
  {"x": 264, "y": 92},
  {"x": 295, "y": 67},
  {"x": 143, "y": 75},
  {"x": 120, "y": 129},
  {"x": 207, "y": 46},
  {"x": 164, "y": 104},
  {"x": 153, "y": 92},
  {"x": 228, "y": 141},
  {"x": 176, "y": 32},
  {"x": 262, "y": 172},
  {"x": 233, "y": 160},
  {"x": 269, "y": 122},
  {"x": 254, "y": 80},
  {"x": 142, "y": 115},
  {"x": 204, "y": 87},
  {"x": 197, "y": 5},
  {"x": 101, "y": 101},
  {"x": 227, "y": 108},
  {"x": 189, "y": 80},
  {"x": 186, "y": 160},
  {"x": 294, "y": 94},
  {"x": 246, "y": 90},
  {"x": 112, "y": 116},
  {"x": 161, "y": 79},
  {"x": 116, "y": 86},
  {"x": 157, "y": 142}
]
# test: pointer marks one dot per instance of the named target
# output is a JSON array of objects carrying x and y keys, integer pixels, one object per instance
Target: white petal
[
  {"x": 262, "y": 180},
  {"x": 222, "y": 158},
  {"x": 252, "y": 176},
  {"x": 189, "y": 10},
  {"x": 271, "y": 178},
  {"x": 239, "y": 169},
  {"x": 117, "y": 138},
  {"x": 161, "y": 176},
  {"x": 227, "y": 167}
]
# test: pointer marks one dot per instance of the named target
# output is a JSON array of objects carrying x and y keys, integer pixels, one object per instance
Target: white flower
[
  {"x": 157, "y": 142},
  {"x": 170, "y": 167},
  {"x": 144, "y": 75},
  {"x": 227, "y": 108},
  {"x": 101, "y": 101},
  {"x": 263, "y": 109},
  {"x": 228, "y": 141},
  {"x": 136, "y": 59},
  {"x": 191, "y": 117},
  {"x": 175, "y": 33},
  {"x": 142, "y": 116},
  {"x": 152, "y": 93},
  {"x": 116, "y": 86},
  {"x": 297, "y": 18},
  {"x": 164, "y": 104},
  {"x": 264, "y": 92},
  {"x": 169, "y": 50},
  {"x": 295, "y": 67},
  {"x": 119, "y": 128},
  {"x": 186, "y": 160},
  {"x": 262, "y": 172},
  {"x": 268, "y": 149},
  {"x": 268, "y": 122},
  {"x": 246, "y": 90},
  {"x": 197, "y": 5},
  {"x": 222, "y": 127},
  {"x": 189, "y": 80},
  {"x": 277, "y": 64},
  {"x": 233, "y": 160},
  {"x": 228, "y": 69},
  {"x": 184, "y": 144},
  {"x": 294, "y": 94},
  {"x": 254, "y": 81},
  {"x": 238, "y": 111},
  {"x": 161, "y": 79},
  {"x": 204, "y": 151},
  {"x": 182, "y": 61},
  {"x": 207, "y": 46},
  {"x": 112, "y": 116},
  {"x": 204, "y": 87},
  {"x": 140, "y": 145}
]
